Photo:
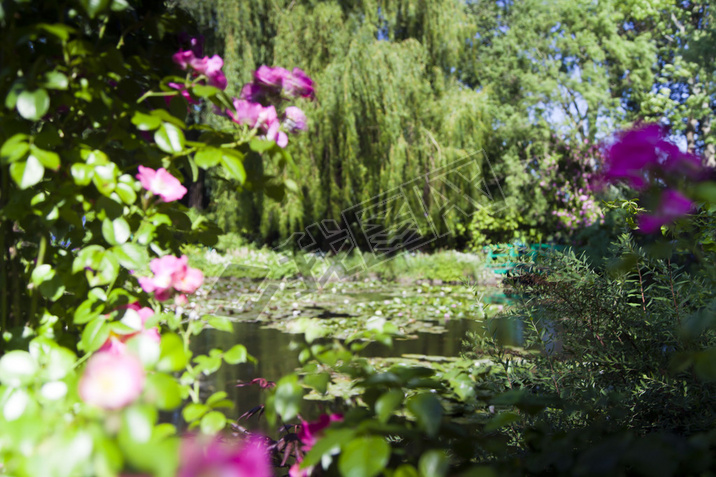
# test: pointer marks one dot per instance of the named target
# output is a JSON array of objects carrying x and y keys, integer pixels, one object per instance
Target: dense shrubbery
[{"x": 96, "y": 134}]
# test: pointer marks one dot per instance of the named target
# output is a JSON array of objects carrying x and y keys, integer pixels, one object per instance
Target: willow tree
[{"x": 389, "y": 108}]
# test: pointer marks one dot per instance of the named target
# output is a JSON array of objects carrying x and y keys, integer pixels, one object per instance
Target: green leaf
[
  {"x": 291, "y": 185},
  {"x": 169, "y": 138},
  {"x": 94, "y": 335},
  {"x": 125, "y": 192},
  {"x": 146, "y": 122},
  {"x": 59, "y": 30},
  {"x": 15, "y": 90},
  {"x": 288, "y": 397},
  {"x": 164, "y": 391},
  {"x": 56, "y": 80},
  {"x": 49, "y": 159},
  {"x": 220, "y": 323},
  {"x": 95, "y": 7},
  {"x": 105, "y": 178},
  {"x": 261, "y": 145},
  {"x": 387, "y": 403},
  {"x": 132, "y": 256},
  {"x": 119, "y": 5},
  {"x": 106, "y": 272},
  {"x": 406, "y": 470},
  {"x": 203, "y": 91},
  {"x": 213, "y": 422},
  {"x": 434, "y": 463},
  {"x": 237, "y": 354},
  {"x": 427, "y": 411},
  {"x": 172, "y": 356},
  {"x": 33, "y": 105},
  {"x": 27, "y": 173},
  {"x": 234, "y": 164},
  {"x": 15, "y": 404},
  {"x": 216, "y": 397},
  {"x": 82, "y": 173},
  {"x": 364, "y": 457},
  {"x": 116, "y": 231},
  {"x": 333, "y": 438},
  {"x": 88, "y": 310},
  {"x": 194, "y": 411},
  {"x": 207, "y": 364},
  {"x": 208, "y": 157},
  {"x": 17, "y": 368},
  {"x": 56, "y": 363},
  {"x": 318, "y": 381},
  {"x": 164, "y": 115},
  {"x": 14, "y": 149},
  {"x": 42, "y": 273},
  {"x": 138, "y": 423},
  {"x": 500, "y": 420}
]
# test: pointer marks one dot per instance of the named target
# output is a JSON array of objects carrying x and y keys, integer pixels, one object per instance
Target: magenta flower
[
  {"x": 161, "y": 183},
  {"x": 246, "y": 112},
  {"x": 271, "y": 78},
  {"x": 171, "y": 274},
  {"x": 295, "y": 120},
  {"x": 277, "y": 80},
  {"x": 298, "y": 84},
  {"x": 183, "y": 58},
  {"x": 643, "y": 149},
  {"x": 275, "y": 134},
  {"x": 117, "y": 343},
  {"x": 184, "y": 92},
  {"x": 253, "y": 93},
  {"x": 111, "y": 380},
  {"x": 672, "y": 205},
  {"x": 246, "y": 459},
  {"x": 297, "y": 471},
  {"x": 632, "y": 153},
  {"x": 309, "y": 432}
]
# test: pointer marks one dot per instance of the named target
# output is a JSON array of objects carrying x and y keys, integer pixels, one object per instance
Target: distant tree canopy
[{"x": 407, "y": 86}]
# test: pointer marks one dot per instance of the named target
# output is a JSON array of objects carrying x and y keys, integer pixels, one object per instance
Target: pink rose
[
  {"x": 171, "y": 274},
  {"x": 112, "y": 380},
  {"x": 246, "y": 459},
  {"x": 310, "y": 432},
  {"x": 161, "y": 183}
]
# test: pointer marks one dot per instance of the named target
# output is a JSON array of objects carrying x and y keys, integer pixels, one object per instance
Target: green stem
[
  {"x": 151, "y": 93},
  {"x": 4, "y": 232},
  {"x": 35, "y": 290}
]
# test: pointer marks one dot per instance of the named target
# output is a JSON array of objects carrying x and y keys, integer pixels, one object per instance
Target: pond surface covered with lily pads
[{"x": 429, "y": 322}]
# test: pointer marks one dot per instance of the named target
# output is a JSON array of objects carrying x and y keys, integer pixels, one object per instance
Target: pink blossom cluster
[
  {"x": 117, "y": 344},
  {"x": 643, "y": 152},
  {"x": 199, "y": 65},
  {"x": 580, "y": 208},
  {"x": 245, "y": 459},
  {"x": 171, "y": 274},
  {"x": 211, "y": 68},
  {"x": 162, "y": 183},
  {"x": 114, "y": 377},
  {"x": 566, "y": 175},
  {"x": 643, "y": 158},
  {"x": 259, "y": 100}
]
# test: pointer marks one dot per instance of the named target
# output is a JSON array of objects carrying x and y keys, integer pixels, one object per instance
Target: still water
[{"x": 443, "y": 337}]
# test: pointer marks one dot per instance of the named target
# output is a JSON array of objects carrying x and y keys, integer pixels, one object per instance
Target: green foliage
[{"x": 388, "y": 109}]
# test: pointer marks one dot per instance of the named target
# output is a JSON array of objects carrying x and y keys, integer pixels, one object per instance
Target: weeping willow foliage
[{"x": 389, "y": 108}]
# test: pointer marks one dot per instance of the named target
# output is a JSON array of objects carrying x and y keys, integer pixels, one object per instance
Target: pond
[{"x": 433, "y": 321}]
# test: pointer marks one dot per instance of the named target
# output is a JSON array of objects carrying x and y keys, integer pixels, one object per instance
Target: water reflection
[{"x": 275, "y": 359}]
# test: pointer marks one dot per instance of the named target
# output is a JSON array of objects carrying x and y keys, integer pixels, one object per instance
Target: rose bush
[{"x": 99, "y": 107}]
